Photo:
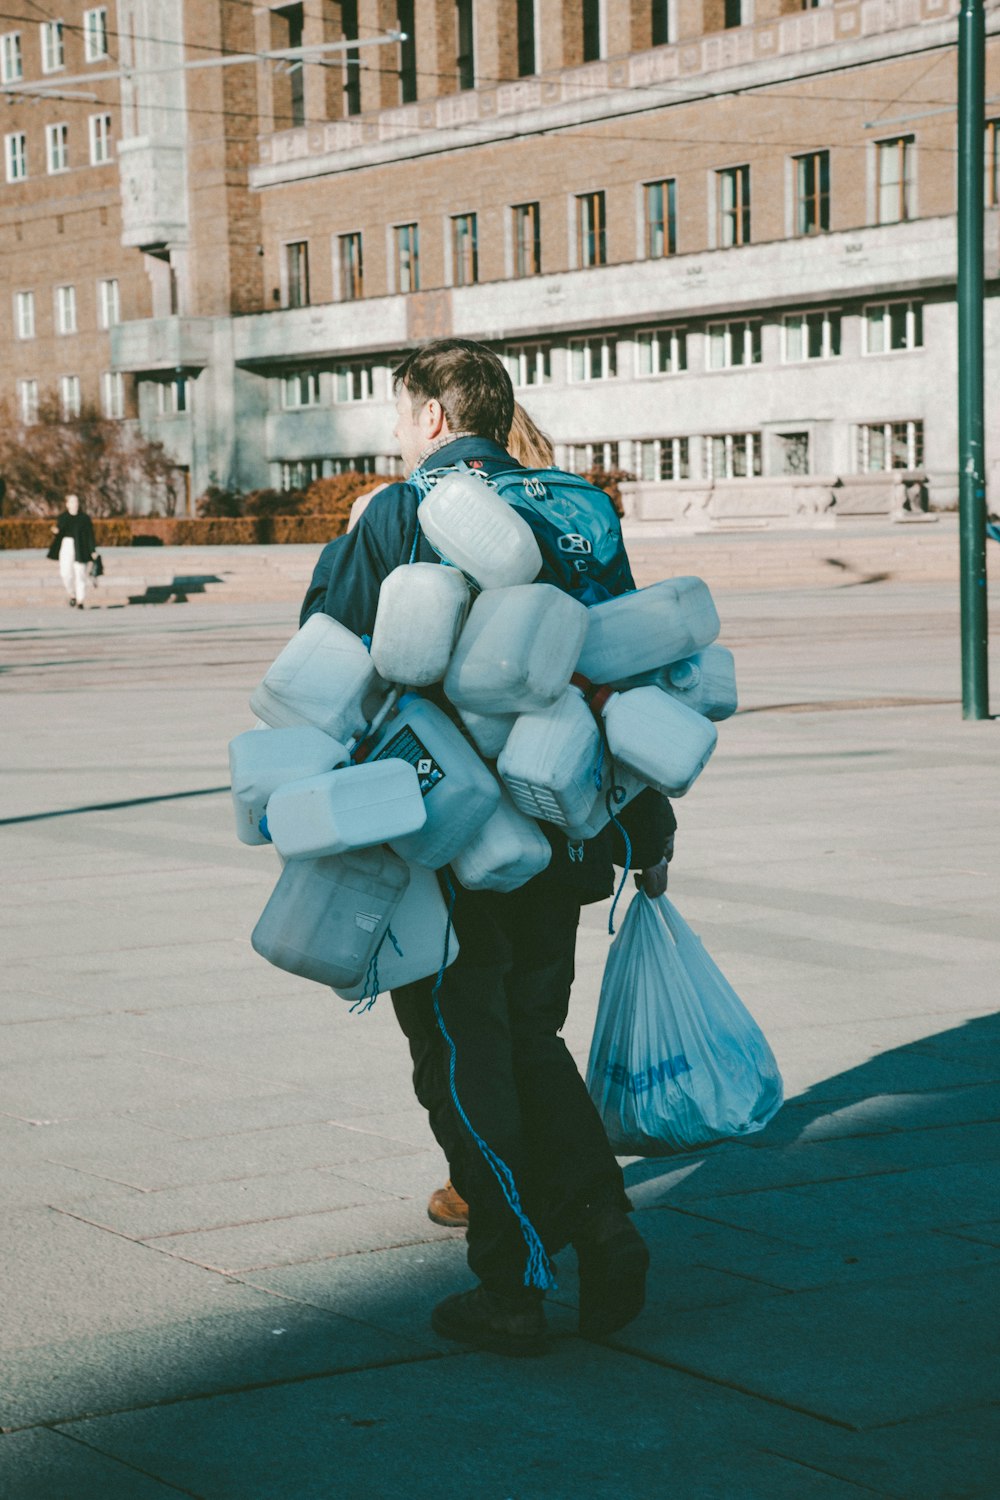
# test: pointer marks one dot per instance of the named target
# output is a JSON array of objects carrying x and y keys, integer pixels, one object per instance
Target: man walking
[{"x": 525, "y": 1145}]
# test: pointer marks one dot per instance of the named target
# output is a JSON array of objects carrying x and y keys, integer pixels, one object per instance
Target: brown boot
[{"x": 448, "y": 1208}]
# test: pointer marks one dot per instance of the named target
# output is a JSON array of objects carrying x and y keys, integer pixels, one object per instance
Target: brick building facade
[{"x": 714, "y": 239}]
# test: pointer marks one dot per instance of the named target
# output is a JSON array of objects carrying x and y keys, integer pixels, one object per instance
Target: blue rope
[
  {"x": 539, "y": 1271},
  {"x": 599, "y": 767},
  {"x": 618, "y": 794}
]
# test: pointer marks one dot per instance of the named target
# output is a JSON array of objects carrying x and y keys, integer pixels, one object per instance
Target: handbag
[
  {"x": 96, "y": 567},
  {"x": 677, "y": 1061}
]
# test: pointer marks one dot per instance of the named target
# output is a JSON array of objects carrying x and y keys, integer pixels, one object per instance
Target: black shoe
[
  {"x": 613, "y": 1261},
  {"x": 72, "y": 604},
  {"x": 505, "y": 1325}
]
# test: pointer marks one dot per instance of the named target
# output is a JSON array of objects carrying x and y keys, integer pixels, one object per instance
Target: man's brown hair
[{"x": 468, "y": 380}]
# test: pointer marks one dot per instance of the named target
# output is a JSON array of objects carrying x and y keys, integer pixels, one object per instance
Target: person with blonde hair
[{"x": 528, "y": 443}]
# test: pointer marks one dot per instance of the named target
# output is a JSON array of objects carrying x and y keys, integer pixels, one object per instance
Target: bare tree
[{"x": 108, "y": 463}]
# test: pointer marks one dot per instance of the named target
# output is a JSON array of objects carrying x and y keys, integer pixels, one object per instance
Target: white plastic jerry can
[
  {"x": 623, "y": 786},
  {"x": 324, "y": 677},
  {"x": 347, "y": 809},
  {"x": 488, "y": 731},
  {"x": 459, "y": 792},
  {"x": 326, "y": 917},
  {"x": 518, "y": 650},
  {"x": 421, "y": 610},
  {"x": 260, "y": 763},
  {"x": 470, "y": 526},
  {"x": 507, "y": 851},
  {"x": 706, "y": 682},
  {"x": 413, "y": 945},
  {"x": 550, "y": 761},
  {"x": 648, "y": 628},
  {"x": 663, "y": 742}
]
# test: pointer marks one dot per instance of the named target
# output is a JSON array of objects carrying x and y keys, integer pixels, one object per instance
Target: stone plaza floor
[{"x": 217, "y": 1269}]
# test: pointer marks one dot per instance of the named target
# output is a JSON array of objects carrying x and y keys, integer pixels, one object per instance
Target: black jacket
[
  {"x": 81, "y": 529},
  {"x": 345, "y": 584}
]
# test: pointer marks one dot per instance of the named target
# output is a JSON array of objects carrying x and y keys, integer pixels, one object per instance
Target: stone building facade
[{"x": 715, "y": 240}]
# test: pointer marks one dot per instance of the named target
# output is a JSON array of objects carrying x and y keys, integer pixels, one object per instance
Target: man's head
[
  {"x": 72, "y": 504},
  {"x": 448, "y": 387}
]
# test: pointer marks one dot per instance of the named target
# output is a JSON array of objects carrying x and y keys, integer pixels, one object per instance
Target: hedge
[{"x": 180, "y": 531}]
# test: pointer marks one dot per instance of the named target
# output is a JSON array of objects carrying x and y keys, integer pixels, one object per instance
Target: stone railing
[{"x": 701, "y": 504}]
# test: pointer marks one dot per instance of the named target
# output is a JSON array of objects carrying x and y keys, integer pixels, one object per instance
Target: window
[
  {"x": 592, "y": 358},
  {"x": 592, "y": 39},
  {"x": 69, "y": 396},
  {"x": 895, "y": 179},
  {"x": 732, "y": 455},
  {"x": 661, "y": 351},
  {"x": 890, "y": 445},
  {"x": 16, "y": 156},
  {"x": 527, "y": 239},
  {"x": 732, "y": 14},
  {"x": 733, "y": 206},
  {"x": 57, "y": 147},
  {"x": 465, "y": 60},
  {"x": 407, "y": 257},
  {"x": 352, "y": 270},
  {"x": 812, "y": 192},
  {"x": 663, "y": 458},
  {"x": 891, "y": 326},
  {"x": 812, "y": 335},
  {"x": 27, "y": 401},
  {"x": 583, "y": 458},
  {"x": 302, "y": 473},
  {"x": 529, "y": 364},
  {"x": 289, "y": 23},
  {"x": 53, "y": 56},
  {"x": 100, "y": 139},
  {"x": 406, "y": 23},
  {"x": 65, "y": 309},
  {"x": 527, "y": 56},
  {"x": 172, "y": 397},
  {"x": 24, "y": 314},
  {"x": 300, "y": 389},
  {"x": 660, "y": 200},
  {"x": 297, "y": 273},
  {"x": 352, "y": 57},
  {"x": 95, "y": 34},
  {"x": 108, "y": 304},
  {"x": 660, "y": 22},
  {"x": 354, "y": 382},
  {"x": 991, "y": 164},
  {"x": 464, "y": 250},
  {"x": 11, "y": 62},
  {"x": 735, "y": 343},
  {"x": 591, "y": 237},
  {"x": 113, "y": 393}
]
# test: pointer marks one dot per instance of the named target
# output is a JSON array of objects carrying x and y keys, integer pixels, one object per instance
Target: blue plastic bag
[{"x": 677, "y": 1061}]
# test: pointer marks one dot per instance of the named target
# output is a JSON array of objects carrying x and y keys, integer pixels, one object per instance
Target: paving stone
[
  {"x": 217, "y": 1205},
  {"x": 504, "y": 1426},
  {"x": 863, "y": 1356},
  {"x": 887, "y": 1203},
  {"x": 42, "y": 1464},
  {"x": 344, "y": 1231}
]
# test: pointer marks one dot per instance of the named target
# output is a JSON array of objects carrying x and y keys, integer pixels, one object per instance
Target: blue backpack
[{"x": 575, "y": 525}]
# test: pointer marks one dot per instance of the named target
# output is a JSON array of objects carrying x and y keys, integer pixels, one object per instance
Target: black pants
[{"x": 503, "y": 1002}]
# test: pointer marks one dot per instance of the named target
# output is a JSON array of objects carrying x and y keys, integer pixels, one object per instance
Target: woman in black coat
[{"x": 73, "y": 545}]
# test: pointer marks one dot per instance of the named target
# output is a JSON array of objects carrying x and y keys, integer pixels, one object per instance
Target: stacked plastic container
[{"x": 561, "y": 715}]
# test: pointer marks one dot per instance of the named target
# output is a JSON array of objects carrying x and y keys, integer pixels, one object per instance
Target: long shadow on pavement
[{"x": 821, "y": 1324}]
